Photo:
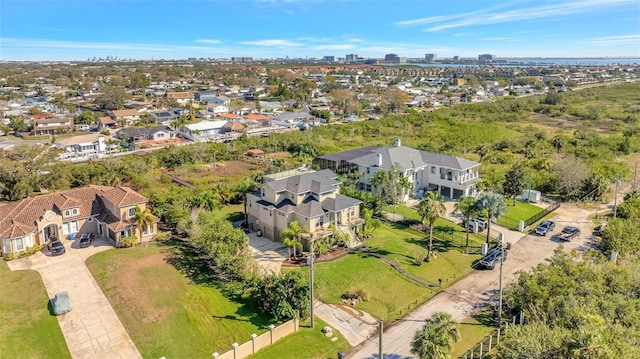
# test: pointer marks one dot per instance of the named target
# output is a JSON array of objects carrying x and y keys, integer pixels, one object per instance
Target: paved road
[
  {"x": 92, "y": 329},
  {"x": 464, "y": 297}
]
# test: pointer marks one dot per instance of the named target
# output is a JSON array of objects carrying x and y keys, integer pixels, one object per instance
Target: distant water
[{"x": 548, "y": 61}]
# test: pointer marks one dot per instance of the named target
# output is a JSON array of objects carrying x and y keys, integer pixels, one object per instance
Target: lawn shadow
[
  {"x": 50, "y": 308},
  {"x": 439, "y": 245},
  {"x": 486, "y": 316}
]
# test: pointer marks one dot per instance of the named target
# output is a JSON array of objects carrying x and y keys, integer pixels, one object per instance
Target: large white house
[{"x": 449, "y": 175}]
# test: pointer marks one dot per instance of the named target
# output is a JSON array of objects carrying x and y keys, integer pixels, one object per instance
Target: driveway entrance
[{"x": 92, "y": 329}]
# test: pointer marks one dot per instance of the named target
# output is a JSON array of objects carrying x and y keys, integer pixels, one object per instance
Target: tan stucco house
[
  {"x": 108, "y": 212},
  {"x": 312, "y": 199}
]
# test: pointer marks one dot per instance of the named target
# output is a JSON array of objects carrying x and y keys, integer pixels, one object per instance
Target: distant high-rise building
[
  {"x": 391, "y": 57},
  {"x": 430, "y": 57},
  {"x": 329, "y": 58},
  {"x": 485, "y": 58},
  {"x": 351, "y": 58},
  {"x": 456, "y": 58},
  {"x": 241, "y": 59}
]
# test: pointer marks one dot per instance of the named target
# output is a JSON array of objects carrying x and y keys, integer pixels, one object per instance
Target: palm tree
[
  {"x": 245, "y": 186},
  {"x": 143, "y": 219},
  {"x": 431, "y": 208},
  {"x": 292, "y": 235},
  {"x": 433, "y": 341},
  {"x": 5, "y": 129},
  {"x": 469, "y": 208},
  {"x": 494, "y": 204},
  {"x": 378, "y": 181}
]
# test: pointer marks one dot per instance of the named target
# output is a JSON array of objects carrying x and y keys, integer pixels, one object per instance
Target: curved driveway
[{"x": 92, "y": 329}]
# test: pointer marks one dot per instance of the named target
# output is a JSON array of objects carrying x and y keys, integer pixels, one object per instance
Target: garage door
[{"x": 445, "y": 191}]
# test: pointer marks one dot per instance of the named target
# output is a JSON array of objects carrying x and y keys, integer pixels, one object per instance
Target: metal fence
[
  {"x": 514, "y": 224},
  {"x": 483, "y": 347}
]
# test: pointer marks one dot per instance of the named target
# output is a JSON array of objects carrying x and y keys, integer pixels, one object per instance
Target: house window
[
  {"x": 74, "y": 211},
  {"x": 132, "y": 212},
  {"x": 148, "y": 231},
  {"x": 69, "y": 227},
  {"x": 67, "y": 213},
  {"x": 320, "y": 221},
  {"x": 368, "y": 170},
  {"x": 6, "y": 246},
  {"x": 19, "y": 244},
  {"x": 433, "y": 170}
]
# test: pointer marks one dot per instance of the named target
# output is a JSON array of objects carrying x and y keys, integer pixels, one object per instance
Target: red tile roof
[{"x": 257, "y": 117}]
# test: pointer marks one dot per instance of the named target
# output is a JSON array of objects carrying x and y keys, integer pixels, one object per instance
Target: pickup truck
[
  {"x": 492, "y": 257},
  {"x": 568, "y": 233},
  {"x": 545, "y": 227}
]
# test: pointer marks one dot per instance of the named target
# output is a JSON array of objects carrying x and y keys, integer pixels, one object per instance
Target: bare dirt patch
[{"x": 569, "y": 123}]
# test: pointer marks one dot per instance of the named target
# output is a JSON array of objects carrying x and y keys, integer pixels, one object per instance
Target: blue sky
[{"x": 175, "y": 29}]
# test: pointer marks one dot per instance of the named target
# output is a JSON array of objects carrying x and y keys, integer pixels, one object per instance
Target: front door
[{"x": 50, "y": 233}]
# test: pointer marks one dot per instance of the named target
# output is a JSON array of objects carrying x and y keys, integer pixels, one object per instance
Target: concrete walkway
[
  {"x": 92, "y": 329},
  {"x": 355, "y": 325},
  {"x": 269, "y": 254}
]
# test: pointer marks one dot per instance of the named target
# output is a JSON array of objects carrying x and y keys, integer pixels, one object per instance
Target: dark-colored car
[
  {"x": 568, "y": 233},
  {"x": 57, "y": 248},
  {"x": 545, "y": 227},
  {"x": 85, "y": 240}
]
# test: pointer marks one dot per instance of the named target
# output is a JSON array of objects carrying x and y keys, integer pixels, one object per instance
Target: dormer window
[
  {"x": 132, "y": 212},
  {"x": 71, "y": 212}
]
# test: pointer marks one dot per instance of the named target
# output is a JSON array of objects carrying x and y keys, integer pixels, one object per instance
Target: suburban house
[
  {"x": 217, "y": 109},
  {"x": 204, "y": 130},
  {"x": 312, "y": 199},
  {"x": 106, "y": 122},
  {"x": 181, "y": 97},
  {"x": 125, "y": 117},
  {"x": 205, "y": 96},
  {"x": 163, "y": 117},
  {"x": 219, "y": 100},
  {"x": 105, "y": 211},
  {"x": 81, "y": 146},
  {"x": 449, "y": 175},
  {"x": 51, "y": 126},
  {"x": 157, "y": 133}
]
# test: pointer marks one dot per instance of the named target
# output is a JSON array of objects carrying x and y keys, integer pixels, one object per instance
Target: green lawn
[
  {"x": 386, "y": 289},
  {"x": 27, "y": 328},
  {"x": 472, "y": 332},
  {"x": 167, "y": 312},
  {"x": 232, "y": 212},
  {"x": 305, "y": 343},
  {"x": 402, "y": 245},
  {"x": 520, "y": 212}
]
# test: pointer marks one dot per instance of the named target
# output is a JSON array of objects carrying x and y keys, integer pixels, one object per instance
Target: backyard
[
  {"x": 159, "y": 287},
  {"x": 28, "y": 328},
  {"x": 520, "y": 212}
]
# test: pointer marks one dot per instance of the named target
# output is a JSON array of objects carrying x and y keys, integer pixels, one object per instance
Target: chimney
[
  {"x": 379, "y": 160},
  {"x": 398, "y": 142}
]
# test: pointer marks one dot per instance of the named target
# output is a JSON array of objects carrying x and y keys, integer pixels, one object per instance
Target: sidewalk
[{"x": 92, "y": 329}]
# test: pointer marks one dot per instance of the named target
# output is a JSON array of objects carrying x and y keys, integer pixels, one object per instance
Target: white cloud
[
  {"x": 271, "y": 42},
  {"x": 615, "y": 40},
  {"x": 333, "y": 47},
  {"x": 208, "y": 41}
]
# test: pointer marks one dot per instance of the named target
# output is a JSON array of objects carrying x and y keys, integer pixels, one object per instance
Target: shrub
[
  {"x": 162, "y": 236},
  {"x": 128, "y": 241}
]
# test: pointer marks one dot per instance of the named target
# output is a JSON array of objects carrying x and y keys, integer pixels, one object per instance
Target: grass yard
[
  {"x": 167, "y": 312},
  {"x": 472, "y": 332},
  {"x": 386, "y": 289},
  {"x": 28, "y": 329},
  {"x": 232, "y": 212},
  {"x": 521, "y": 211},
  {"x": 308, "y": 343},
  {"x": 402, "y": 245}
]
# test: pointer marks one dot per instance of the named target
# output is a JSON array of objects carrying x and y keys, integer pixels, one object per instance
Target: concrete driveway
[
  {"x": 92, "y": 329},
  {"x": 269, "y": 254}
]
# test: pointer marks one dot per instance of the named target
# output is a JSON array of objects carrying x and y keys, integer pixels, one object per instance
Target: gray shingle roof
[
  {"x": 339, "y": 203},
  {"x": 315, "y": 182}
]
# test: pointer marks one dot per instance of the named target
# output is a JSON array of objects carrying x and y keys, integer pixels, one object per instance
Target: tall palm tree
[
  {"x": 143, "y": 219},
  {"x": 431, "y": 208},
  {"x": 245, "y": 186},
  {"x": 434, "y": 340},
  {"x": 494, "y": 204},
  {"x": 469, "y": 208},
  {"x": 293, "y": 234},
  {"x": 378, "y": 181}
]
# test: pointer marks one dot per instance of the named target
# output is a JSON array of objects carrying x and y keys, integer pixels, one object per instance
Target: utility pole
[
  {"x": 500, "y": 296},
  {"x": 615, "y": 200},
  {"x": 530, "y": 185},
  {"x": 380, "y": 328},
  {"x": 311, "y": 282}
]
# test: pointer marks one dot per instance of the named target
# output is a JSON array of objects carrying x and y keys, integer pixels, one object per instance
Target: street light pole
[
  {"x": 615, "y": 200},
  {"x": 500, "y": 295}
]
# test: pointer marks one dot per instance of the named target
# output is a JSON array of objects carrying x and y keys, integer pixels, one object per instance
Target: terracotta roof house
[
  {"x": 106, "y": 122},
  {"x": 51, "y": 126},
  {"x": 449, "y": 175},
  {"x": 125, "y": 117},
  {"x": 233, "y": 126},
  {"x": 181, "y": 97},
  {"x": 107, "y": 212},
  {"x": 311, "y": 199}
]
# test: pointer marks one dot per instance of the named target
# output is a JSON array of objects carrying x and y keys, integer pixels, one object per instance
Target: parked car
[
  {"x": 568, "y": 233},
  {"x": 57, "y": 248},
  {"x": 545, "y": 227},
  {"x": 493, "y": 256},
  {"x": 85, "y": 240}
]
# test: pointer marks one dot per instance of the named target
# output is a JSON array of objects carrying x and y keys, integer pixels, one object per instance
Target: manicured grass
[
  {"x": 472, "y": 332},
  {"x": 305, "y": 343},
  {"x": 28, "y": 329},
  {"x": 167, "y": 312},
  {"x": 232, "y": 212},
  {"x": 402, "y": 245},
  {"x": 387, "y": 290},
  {"x": 521, "y": 211}
]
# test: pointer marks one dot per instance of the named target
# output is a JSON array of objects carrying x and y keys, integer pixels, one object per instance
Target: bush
[
  {"x": 162, "y": 236},
  {"x": 128, "y": 241}
]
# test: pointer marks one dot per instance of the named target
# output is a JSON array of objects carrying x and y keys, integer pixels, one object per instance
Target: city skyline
[{"x": 144, "y": 29}]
